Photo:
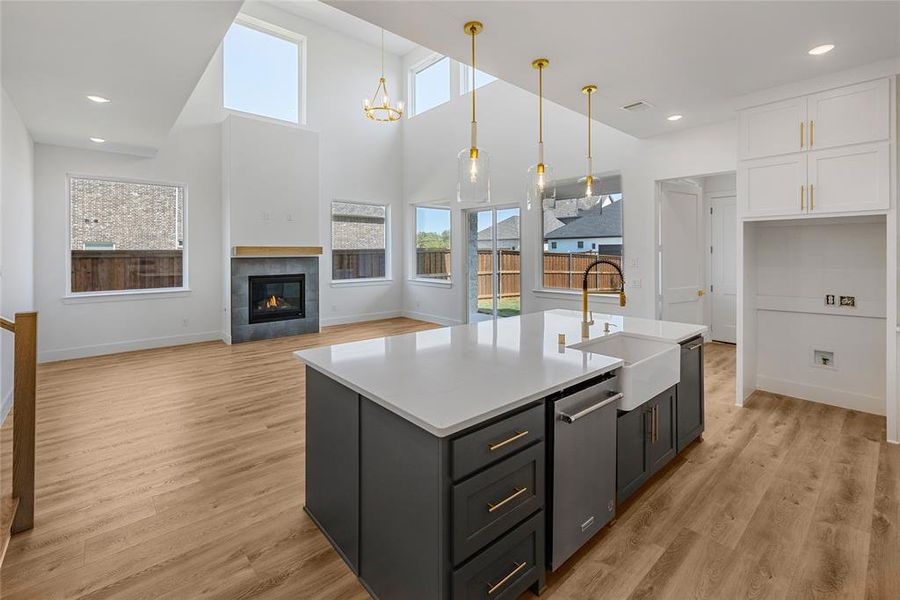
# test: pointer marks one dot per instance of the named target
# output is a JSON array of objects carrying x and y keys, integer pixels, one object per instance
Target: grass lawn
[{"x": 508, "y": 307}]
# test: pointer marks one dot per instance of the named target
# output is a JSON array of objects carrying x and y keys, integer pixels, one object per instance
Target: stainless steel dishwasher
[{"x": 583, "y": 478}]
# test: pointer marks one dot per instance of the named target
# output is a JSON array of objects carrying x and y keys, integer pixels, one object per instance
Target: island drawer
[
  {"x": 487, "y": 505},
  {"x": 505, "y": 569},
  {"x": 489, "y": 444}
]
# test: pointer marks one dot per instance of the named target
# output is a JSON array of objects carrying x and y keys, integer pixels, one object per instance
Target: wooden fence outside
[
  {"x": 357, "y": 264},
  {"x": 562, "y": 270},
  {"x": 110, "y": 270}
]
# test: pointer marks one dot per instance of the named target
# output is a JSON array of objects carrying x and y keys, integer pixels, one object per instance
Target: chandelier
[{"x": 379, "y": 107}]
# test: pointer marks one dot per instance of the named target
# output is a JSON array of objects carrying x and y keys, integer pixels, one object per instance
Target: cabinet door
[
  {"x": 689, "y": 418},
  {"x": 631, "y": 451},
  {"x": 772, "y": 129},
  {"x": 850, "y": 179},
  {"x": 850, "y": 115},
  {"x": 773, "y": 186},
  {"x": 662, "y": 431}
]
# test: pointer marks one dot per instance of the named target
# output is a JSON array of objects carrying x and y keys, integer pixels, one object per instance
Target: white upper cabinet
[
  {"x": 778, "y": 128},
  {"x": 854, "y": 114},
  {"x": 772, "y": 186},
  {"x": 849, "y": 179},
  {"x": 826, "y": 153}
]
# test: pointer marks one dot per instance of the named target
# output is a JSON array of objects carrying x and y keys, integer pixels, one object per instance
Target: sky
[
  {"x": 255, "y": 67},
  {"x": 436, "y": 220}
]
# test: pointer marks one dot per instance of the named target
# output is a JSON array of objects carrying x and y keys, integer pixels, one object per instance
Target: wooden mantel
[{"x": 276, "y": 250}]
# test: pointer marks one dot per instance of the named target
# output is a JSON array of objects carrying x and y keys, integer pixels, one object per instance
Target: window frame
[
  {"x": 69, "y": 295},
  {"x": 413, "y": 266},
  {"x": 560, "y": 293},
  {"x": 286, "y": 34},
  {"x": 465, "y": 77},
  {"x": 417, "y": 68},
  {"x": 388, "y": 254}
]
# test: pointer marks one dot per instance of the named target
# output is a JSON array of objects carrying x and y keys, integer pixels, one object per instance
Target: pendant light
[
  {"x": 473, "y": 182},
  {"x": 591, "y": 196},
  {"x": 381, "y": 110},
  {"x": 539, "y": 183}
]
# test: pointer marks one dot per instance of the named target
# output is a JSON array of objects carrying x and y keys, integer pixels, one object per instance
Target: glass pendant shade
[
  {"x": 473, "y": 182},
  {"x": 539, "y": 186}
]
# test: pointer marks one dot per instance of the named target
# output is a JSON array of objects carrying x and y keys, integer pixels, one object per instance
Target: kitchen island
[{"x": 429, "y": 456}]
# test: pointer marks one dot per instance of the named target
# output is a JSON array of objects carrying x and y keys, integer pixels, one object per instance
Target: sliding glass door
[{"x": 493, "y": 260}]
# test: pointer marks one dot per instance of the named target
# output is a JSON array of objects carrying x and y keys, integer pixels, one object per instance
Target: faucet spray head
[{"x": 622, "y": 298}]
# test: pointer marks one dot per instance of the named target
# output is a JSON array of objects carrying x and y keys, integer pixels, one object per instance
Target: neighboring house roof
[
  {"x": 351, "y": 209},
  {"x": 507, "y": 229},
  {"x": 592, "y": 223}
]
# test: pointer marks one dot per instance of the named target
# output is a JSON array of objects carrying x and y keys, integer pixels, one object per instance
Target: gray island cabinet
[
  {"x": 462, "y": 463},
  {"x": 418, "y": 516}
]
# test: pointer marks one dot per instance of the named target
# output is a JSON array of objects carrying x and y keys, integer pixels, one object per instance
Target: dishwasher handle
[{"x": 586, "y": 411}]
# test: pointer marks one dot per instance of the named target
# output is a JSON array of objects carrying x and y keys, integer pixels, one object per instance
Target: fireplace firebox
[{"x": 276, "y": 297}]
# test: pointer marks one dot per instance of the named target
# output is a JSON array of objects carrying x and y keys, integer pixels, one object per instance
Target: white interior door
[
  {"x": 723, "y": 268},
  {"x": 682, "y": 260}
]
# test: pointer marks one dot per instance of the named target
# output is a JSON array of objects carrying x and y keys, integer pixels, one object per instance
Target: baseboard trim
[
  {"x": 377, "y": 316},
  {"x": 127, "y": 346},
  {"x": 830, "y": 396},
  {"x": 420, "y": 316},
  {"x": 6, "y": 406}
]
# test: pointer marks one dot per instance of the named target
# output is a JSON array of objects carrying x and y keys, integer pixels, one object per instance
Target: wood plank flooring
[{"x": 178, "y": 474}]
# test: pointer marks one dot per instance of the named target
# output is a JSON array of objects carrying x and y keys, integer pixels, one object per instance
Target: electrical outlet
[
  {"x": 829, "y": 299},
  {"x": 184, "y": 322},
  {"x": 823, "y": 358},
  {"x": 636, "y": 283},
  {"x": 848, "y": 301}
]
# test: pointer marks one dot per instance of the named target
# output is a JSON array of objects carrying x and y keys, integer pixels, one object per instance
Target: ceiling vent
[{"x": 637, "y": 106}]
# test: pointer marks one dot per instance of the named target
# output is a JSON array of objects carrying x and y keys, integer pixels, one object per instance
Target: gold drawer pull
[
  {"x": 812, "y": 132},
  {"x": 812, "y": 198},
  {"x": 801, "y": 134},
  {"x": 519, "y": 491},
  {"x": 498, "y": 445},
  {"x": 513, "y": 573}
]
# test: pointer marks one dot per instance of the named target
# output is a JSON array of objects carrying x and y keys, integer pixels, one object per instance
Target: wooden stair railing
[{"x": 21, "y": 505}]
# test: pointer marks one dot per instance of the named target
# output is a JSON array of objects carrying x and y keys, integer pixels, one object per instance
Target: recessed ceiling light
[
  {"x": 98, "y": 99},
  {"x": 675, "y": 117},
  {"x": 824, "y": 48},
  {"x": 97, "y": 140}
]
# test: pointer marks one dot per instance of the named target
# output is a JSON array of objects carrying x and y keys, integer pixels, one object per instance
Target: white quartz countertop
[{"x": 445, "y": 380}]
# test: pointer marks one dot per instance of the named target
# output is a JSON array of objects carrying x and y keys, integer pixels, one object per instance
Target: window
[
  {"x": 433, "y": 243},
  {"x": 431, "y": 85},
  {"x": 125, "y": 235},
  {"x": 261, "y": 71},
  {"x": 358, "y": 241},
  {"x": 569, "y": 223},
  {"x": 465, "y": 78}
]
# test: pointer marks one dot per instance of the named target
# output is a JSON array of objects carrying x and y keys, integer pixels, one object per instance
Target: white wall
[
  {"x": 16, "y": 234},
  {"x": 797, "y": 264},
  {"x": 507, "y": 121},
  {"x": 358, "y": 160}
]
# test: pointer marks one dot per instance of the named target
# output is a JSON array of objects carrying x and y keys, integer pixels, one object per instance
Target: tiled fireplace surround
[{"x": 242, "y": 268}]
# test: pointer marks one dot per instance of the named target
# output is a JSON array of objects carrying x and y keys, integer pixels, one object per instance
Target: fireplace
[{"x": 276, "y": 297}]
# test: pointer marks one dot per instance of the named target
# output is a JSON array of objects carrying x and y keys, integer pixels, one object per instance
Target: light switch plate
[{"x": 829, "y": 299}]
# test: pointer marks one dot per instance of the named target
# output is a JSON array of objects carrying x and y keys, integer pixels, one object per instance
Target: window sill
[
  {"x": 120, "y": 295},
  {"x": 441, "y": 283},
  {"x": 610, "y": 298},
  {"x": 361, "y": 282}
]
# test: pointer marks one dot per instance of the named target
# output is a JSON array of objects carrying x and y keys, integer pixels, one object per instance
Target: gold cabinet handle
[
  {"x": 812, "y": 129},
  {"x": 497, "y": 445},
  {"x": 802, "y": 194},
  {"x": 519, "y": 491},
  {"x": 513, "y": 573},
  {"x": 812, "y": 198},
  {"x": 655, "y": 424},
  {"x": 801, "y": 134}
]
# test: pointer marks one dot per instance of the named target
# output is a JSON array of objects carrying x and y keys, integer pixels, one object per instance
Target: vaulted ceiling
[
  {"x": 690, "y": 58},
  {"x": 145, "y": 56}
]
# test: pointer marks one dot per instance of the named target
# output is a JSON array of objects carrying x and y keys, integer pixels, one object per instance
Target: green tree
[{"x": 433, "y": 240}]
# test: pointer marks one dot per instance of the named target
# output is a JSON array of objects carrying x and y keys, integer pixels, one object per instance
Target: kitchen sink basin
[{"x": 651, "y": 367}]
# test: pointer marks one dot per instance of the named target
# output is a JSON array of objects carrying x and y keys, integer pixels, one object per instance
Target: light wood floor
[{"x": 178, "y": 474}]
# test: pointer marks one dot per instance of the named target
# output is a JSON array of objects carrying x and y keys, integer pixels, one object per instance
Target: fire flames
[{"x": 272, "y": 302}]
